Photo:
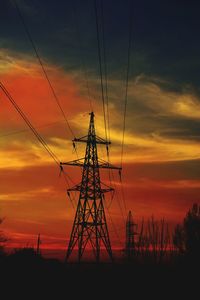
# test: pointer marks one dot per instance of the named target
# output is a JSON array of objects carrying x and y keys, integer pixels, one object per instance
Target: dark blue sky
[
  {"x": 164, "y": 50},
  {"x": 165, "y": 35}
]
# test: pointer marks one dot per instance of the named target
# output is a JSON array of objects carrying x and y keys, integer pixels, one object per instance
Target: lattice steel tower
[
  {"x": 130, "y": 235},
  {"x": 90, "y": 226}
]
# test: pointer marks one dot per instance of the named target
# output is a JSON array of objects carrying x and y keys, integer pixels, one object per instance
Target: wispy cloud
[{"x": 157, "y": 131}]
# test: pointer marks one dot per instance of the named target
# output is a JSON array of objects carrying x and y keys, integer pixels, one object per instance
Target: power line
[
  {"x": 118, "y": 198},
  {"x": 66, "y": 176},
  {"x": 126, "y": 94},
  {"x": 100, "y": 65},
  {"x": 34, "y": 131},
  {"x": 44, "y": 71},
  {"x": 127, "y": 78},
  {"x": 123, "y": 194},
  {"x": 37, "y": 135},
  {"x": 25, "y": 130},
  {"x": 107, "y": 123},
  {"x": 82, "y": 58},
  {"x": 114, "y": 227},
  {"x": 42, "y": 65},
  {"x": 106, "y": 81},
  {"x": 105, "y": 68}
]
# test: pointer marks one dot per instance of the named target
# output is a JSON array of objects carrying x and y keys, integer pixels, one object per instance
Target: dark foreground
[{"x": 27, "y": 276}]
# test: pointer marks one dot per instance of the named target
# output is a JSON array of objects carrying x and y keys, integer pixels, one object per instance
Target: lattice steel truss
[
  {"x": 130, "y": 236},
  {"x": 90, "y": 226}
]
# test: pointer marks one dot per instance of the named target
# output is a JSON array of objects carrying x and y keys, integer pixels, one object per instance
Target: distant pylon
[
  {"x": 130, "y": 236},
  {"x": 90, "y": 226},
  {"x": 38, "y": 244}
]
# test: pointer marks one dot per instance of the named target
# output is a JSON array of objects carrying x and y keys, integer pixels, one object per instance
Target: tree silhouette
[
  {"x": 179, "y": 238},
  {"x": 187, "y": 236},
  {"x": 192, "y": 230},
  {"x": 3, "y": 239}
]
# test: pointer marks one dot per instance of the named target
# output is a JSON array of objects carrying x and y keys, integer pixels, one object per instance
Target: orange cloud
[
  {"x": 159, "y": 173},
  {"x": 33, "y": 95}
]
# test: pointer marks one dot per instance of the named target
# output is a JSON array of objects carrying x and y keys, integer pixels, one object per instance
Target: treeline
[{"x": 154, "y": 241}]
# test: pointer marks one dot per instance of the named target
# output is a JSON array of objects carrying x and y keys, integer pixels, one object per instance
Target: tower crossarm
[
  {"x": 80, "y": 163},
  {"x": 98, "y": 140},
  {"x": 77, "y": 162},
  {"x": 77, "y": 188},
  {"x": 106, "y": 165}
]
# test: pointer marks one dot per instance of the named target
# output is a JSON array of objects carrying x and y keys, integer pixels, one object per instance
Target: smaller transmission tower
[
  {"x": 90, "y": 226},
  {"x": 130, "y": 236},
  {"x": 38, "y": 245}
]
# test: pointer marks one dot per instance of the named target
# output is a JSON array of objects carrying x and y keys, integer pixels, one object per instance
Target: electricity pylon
[
  {"x": 38, "y": 245},
  {"x": 90, "y": 226},
  {"x": 130, "y": 236}
]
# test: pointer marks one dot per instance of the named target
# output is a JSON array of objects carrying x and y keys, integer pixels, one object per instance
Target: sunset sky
[{"x": 161, "y": 155}]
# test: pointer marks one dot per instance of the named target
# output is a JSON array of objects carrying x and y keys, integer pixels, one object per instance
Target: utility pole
[
  {"x": 130, "y": 236},
  {"x": 90, "y": 226}
]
